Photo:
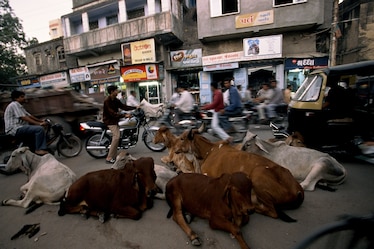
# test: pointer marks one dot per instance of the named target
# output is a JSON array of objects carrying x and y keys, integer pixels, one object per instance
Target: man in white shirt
[
  {"x": 184, "y": 104},
  {"x": 131, "y": 100}
]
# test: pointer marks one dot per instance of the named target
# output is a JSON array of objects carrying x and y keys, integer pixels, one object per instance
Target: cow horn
[{"x": 201, "y": 128}]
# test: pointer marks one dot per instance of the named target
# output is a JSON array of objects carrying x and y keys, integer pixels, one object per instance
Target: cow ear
[
  {"x": 135, "y": 182},
  {"x": 261, "y": 146}
]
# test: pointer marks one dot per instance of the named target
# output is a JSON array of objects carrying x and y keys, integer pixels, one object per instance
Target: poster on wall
[
  {"x": 265, "y": 47},
  {"x": 186, "y": 58},
  {"x": 139, "y": 52}
]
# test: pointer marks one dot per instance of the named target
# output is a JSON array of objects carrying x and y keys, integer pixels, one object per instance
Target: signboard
[
  {"x": 139, "y": 72},
  {"x": 56, "y": 80},
  {"x": 139, "y": 52},
  {"x": 186, "y": 58},
  {"x": 223, "y": 66},
  {"x": 254, "y": 19},
  {"x": 222, "y": 58},
  {"x": 306, "y": 63},
  {"x": 265, "y": 47},
  {"x": 79, "y": 74}
]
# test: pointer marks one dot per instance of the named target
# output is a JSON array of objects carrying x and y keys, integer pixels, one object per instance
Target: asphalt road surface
[{"x": 155, "y": 231}]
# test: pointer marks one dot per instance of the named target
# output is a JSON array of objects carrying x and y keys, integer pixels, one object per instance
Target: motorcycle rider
[
  {"x": 111, "y": 117},
  {"x": 217, "y": 105},
  {"x": 234, "y": 107},
  {"x": 20, "y": 123},
  {"x": 184, "y": 104}
]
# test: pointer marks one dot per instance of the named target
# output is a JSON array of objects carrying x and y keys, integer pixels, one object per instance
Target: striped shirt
[{"x": 12, "y": 117}]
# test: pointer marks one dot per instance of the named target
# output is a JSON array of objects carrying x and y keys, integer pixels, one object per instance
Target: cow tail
[{"x": 170, "y": 213}]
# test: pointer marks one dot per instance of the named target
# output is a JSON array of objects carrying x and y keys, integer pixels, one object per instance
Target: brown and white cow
[
  {"x": 274, "y": 187},
  {"x": 184, "y": 162},
  {"x": 48, "y": 179},
  {"x": 124, "y": 193},
  {"x": 225, "y": 201}
]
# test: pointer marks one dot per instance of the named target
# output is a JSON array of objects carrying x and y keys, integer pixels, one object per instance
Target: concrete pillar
[
  {"x": 66, "y": 27},
  {"x": 85, "y": 22},
  {"x": 151, "y": 7},
  {"x": 165, "y": 5},
  {"x": 122, "y": 15}
]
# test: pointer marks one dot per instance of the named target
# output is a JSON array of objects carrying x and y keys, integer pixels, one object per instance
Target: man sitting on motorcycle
[
  {"x": 233, "y": 109},
  {"x": 111, "y": 117},
  {"x": 217, "y": 105},
  {"x": 184, "y": 104},
  {"x": 21, "y": 124}
]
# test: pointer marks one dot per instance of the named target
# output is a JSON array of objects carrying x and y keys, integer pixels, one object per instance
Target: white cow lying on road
[
  {"x": 308, "y": 166},
  {"x": 163, "y": 173},
  {"x": 48, "y": 179}
]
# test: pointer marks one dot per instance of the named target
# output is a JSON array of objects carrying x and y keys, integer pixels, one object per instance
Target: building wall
[
  {"x": 357, "y": 24},
  {"x": 49, "y": 54},
  {"x": 286, "y": 18}
]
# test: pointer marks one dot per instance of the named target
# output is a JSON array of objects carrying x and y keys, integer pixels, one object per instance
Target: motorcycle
[
  {"x": 98, "y": 143},
  {"x": 187, "y": 121},
  {"x": 240, "y": 124},
  {"x": 66, "y": 144}
]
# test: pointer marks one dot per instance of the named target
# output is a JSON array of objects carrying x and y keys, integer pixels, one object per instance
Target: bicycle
[{"x": 353, "y": 232}]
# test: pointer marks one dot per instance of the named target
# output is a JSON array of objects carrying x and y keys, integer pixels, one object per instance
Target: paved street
[{"x": 155, "y": 231}]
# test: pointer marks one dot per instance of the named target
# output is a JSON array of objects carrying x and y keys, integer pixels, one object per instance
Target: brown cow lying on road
[
  {"x": 164, "y": 174},
  {"x": 225, "y": 201},
  {"x": 184, "y": 162},
  {"x": 124, "y": 193},
  {"x": 274, "y": 187}
]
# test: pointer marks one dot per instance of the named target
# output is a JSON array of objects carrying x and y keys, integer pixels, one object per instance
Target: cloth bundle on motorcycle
[{"x": 131, "y": 122}]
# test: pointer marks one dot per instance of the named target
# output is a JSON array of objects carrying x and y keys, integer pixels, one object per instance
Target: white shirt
[
  {"x": 185, "y": 102},
  {"x": 132, "y": 101}
]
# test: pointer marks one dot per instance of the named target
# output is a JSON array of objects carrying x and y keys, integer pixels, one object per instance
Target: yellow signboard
[
  {"x": 143, "y": 51},
  {"x": 254, "y": 19}
]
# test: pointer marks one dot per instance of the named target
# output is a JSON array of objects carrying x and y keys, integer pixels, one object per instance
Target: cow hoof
[
  {"x": 196, "y": 242},
  {"x": 101, "y": 217},
  {"x": 3, "y": 203},
  {"x": 188, "y": 218}
]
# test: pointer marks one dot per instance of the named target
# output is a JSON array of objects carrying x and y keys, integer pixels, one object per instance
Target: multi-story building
[
  {"x": 356, "y": 23},
  {"x": 128, "y": 38},
  {"x": 47, "y": 65},
  {"x": 254, "y": 41},
  {"x": 152, "y": 45}
]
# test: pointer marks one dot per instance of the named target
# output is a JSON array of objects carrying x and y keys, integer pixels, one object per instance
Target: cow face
[
  {"x": 15, "y": 161},
  {"x": 121, "y": 160},
  {"x": 161, "y": 135}
]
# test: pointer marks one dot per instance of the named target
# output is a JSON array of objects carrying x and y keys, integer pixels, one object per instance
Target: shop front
[
  {"x": 185, "y": 68},
  {"x": 296, "y": 69},
  {"x": 141, "y": 72},
  {"x": 144, "y": 80}
]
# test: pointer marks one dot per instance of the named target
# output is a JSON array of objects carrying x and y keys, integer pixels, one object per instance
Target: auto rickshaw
[{"x": 341, "y": 128}]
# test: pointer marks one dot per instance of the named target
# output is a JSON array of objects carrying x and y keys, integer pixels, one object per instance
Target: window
[
  {"x": 287, "y": 2},
  {"x": 135, "y": 13},
  {"x": 38, "y": 59},
  {"x": 310, "y": 89},
  {"x": 94, "y": 25},
  {"x": 223, "y": 7},
  {"x": 111, "y": 20},
  {"x": 61, "y": 53}
]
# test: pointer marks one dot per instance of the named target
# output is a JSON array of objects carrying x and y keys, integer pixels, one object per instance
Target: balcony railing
[{"x": 161, "y": 25}]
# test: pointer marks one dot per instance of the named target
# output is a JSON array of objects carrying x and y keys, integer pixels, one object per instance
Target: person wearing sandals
[{"x": 111, "y": 117}]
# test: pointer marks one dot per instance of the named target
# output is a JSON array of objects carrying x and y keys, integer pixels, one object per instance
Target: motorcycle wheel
[
  {"x": 94, "y": 140},
  {"x": 69, "y": 146},
  {"x": 148, "y": 136}
]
